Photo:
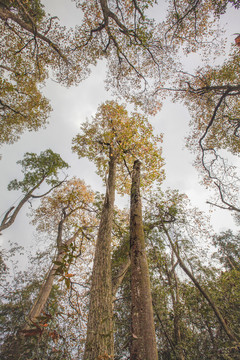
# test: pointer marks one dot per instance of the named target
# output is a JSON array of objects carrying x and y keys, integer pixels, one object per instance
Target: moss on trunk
[{"x": 143, "y": 338}]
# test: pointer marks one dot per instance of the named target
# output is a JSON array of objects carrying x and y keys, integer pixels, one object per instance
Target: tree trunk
[
  {"x": 99, "y": 342},
  {"x": 46, "y": 287},
  {"x": 143, "y": 338}
]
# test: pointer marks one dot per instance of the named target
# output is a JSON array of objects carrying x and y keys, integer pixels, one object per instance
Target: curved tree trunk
[
  {"x": 47, "y": 285},
  {"x": 11, "y": 215},
  {"x": 143, "y": 338},
  {"x": 99, "y": 342}
]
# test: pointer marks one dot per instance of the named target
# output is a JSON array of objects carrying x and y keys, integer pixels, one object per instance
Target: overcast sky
[{"x": 72, "y": 106}]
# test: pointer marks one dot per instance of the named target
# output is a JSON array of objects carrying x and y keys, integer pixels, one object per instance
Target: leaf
[{"x": 69, "y": 275}]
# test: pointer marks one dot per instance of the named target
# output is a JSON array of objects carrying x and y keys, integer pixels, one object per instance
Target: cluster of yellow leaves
[
  {"x": 71, "y": 202},
  {"x": 113, "y": 133},
  {"x": 31, "y": 43}
]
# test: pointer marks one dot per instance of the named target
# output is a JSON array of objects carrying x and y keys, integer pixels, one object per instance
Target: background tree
[
  {"x": 33, "y": 43},
  {"x": 68, "y": 218},
  {"x": 68, "y": 214},
  {"x": 212, "y": 97},
  {"x": 18, "y": 292},
  {"x": 174, "y": 224}
]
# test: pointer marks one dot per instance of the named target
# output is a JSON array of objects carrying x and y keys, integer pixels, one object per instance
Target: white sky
[{"x": 71, "y": 107}]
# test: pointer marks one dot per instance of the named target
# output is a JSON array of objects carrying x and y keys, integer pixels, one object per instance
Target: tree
[
  {"x": 113, "y": 141},
  {"x": 18, "y": 291},
  {"x": 67, "y": 213},
  {"x": 206, "y": 324},
  {"x": 33, "y": 43},
  {"x": 212, "y": 96},
  {"x": 233, "y": 337},
  {"x": 36, "y": 170},
  {"x": 227, "y": 245},
  {"x": 140, "y": 53},
  {"x": 143, "y": 338},
  {"x": 166, "y": 220},
  {"x": 27, "y": 48},
  {"x": 68, "y": 217}
]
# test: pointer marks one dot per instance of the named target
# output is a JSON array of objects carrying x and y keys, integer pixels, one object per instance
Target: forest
[{"x": 129, "y": 269}]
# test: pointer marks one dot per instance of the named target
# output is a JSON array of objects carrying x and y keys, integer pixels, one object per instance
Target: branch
[
  {"x": 6, "y": 215},
  {"x": 11, "y": 109},
  {"x": 19, "y": 206},
  {"x": 6, "y": 14},
  {"x": 9, "y": 69},
  {"x": 230, "y": 207},
  {"x": 209, "y": 126},
  {"x": 46, "y": 193}
]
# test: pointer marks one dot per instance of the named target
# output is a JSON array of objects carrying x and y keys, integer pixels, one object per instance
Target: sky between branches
[{"x": 71, "y": 107}]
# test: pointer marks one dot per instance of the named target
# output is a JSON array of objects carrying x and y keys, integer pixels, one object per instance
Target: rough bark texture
[
  {"x": 99, "y": 342},
  {"x": 143, "y": 338}
]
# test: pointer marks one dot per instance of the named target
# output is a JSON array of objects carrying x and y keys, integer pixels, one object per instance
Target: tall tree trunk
[
  {"x": 204, "y": 292},
  {"x": 99, "y": 342},
  {"x": 143, "y": 340}
]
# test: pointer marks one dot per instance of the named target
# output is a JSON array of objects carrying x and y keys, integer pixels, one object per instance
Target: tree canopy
[
  {"x": 152, "y": 280},
  {"x": 113, "y": 133}
]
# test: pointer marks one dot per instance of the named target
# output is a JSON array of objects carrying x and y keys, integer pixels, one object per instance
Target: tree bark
[
  {"x": 143, "y": 338},
  {"x": 99, "y": 342}
]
